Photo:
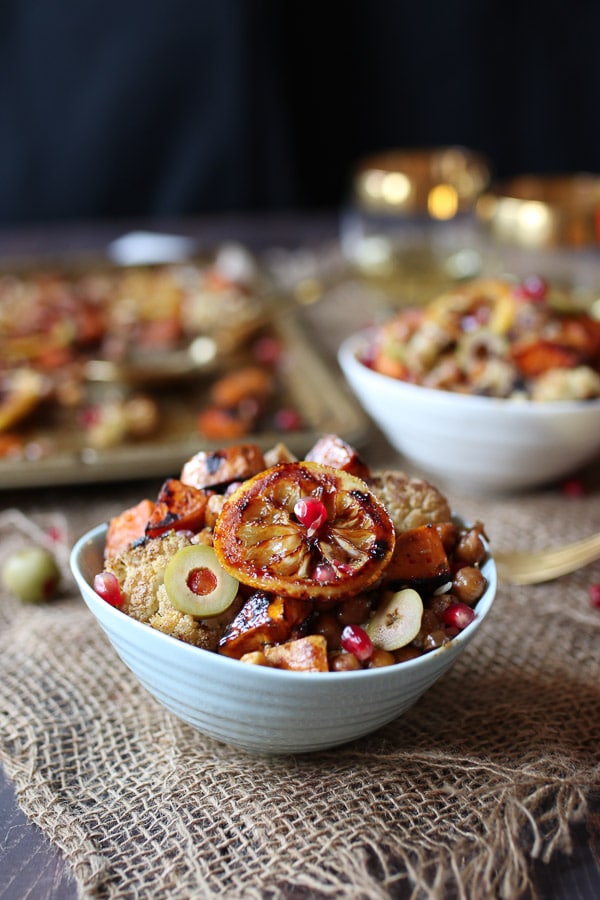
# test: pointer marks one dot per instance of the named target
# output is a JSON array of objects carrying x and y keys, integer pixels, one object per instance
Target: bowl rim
[
  {"x": 348, "y": 358},
  {"x": 96, "y": 536}
]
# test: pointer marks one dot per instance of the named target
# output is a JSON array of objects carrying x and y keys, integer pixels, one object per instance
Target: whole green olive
[{"x": 31, "y": 574}]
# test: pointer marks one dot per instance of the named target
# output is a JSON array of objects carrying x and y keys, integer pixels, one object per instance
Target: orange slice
[{"x": 269, "y": 536}]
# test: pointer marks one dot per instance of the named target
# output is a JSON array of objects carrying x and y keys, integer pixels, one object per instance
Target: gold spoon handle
[{"x": 544, "y": 565}]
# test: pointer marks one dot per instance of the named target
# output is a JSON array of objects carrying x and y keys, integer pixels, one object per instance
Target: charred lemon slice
[
  {"x": 489, "y": 301},
  {"x": 304, "y": 530}
]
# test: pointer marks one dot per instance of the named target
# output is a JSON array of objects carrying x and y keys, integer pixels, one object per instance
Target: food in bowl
[
  {"x": 95, "y": 358},
  {"x": 313, "y": 565},
  {"x": 493, "y": 338}
]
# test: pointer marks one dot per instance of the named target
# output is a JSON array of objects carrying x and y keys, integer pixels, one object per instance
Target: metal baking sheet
[{"x": 309, "y": 382}]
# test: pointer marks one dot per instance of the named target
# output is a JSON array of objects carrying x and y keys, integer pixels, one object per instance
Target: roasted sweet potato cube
[
  {"x": 127, "y": 528},
  {"x": 583, "y": 332},
  {"x": 307, "y": 654},
  {"x": 178, "y": 507},
  {"x": 219, "y": 424},
  {"x": 264, "y": 619},
  {"x": 241, "y": 384},
  {"x": 419, "y": 559},
  {"x": 331, "y": 450},
  {"x": 540, "y": 356},
  {"x": 221, "y": 467}
]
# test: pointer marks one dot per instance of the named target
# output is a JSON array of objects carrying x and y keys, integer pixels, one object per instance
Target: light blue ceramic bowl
[{"x": 261, "y": 709}]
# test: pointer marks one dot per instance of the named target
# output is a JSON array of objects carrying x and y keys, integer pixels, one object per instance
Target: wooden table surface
[{"x": 30, "y": 866}]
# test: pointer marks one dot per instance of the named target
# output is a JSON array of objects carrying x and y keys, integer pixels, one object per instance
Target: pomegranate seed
[
  {"x": 324, "y": 573},
  {"x": 107, "y": 586},
  {"x": 54, "y": 534},
  {"x": 469, "y": 323},
  {"x": 368, "y": 356},
  {"x": 90, "y": 416},
  {"x": 287, "y": 420},
  {"x": 267, "y": 350},
  {"x": 458, "y": 615},
  {"x": 573, "y": 488},
  {"x": 534, "y": 288},
  {"x": 311, "y": 513},
  {"x": 356, "y": 641},
  {"x": 595, "y": 595},
  {"x": 343, "y": 568}
]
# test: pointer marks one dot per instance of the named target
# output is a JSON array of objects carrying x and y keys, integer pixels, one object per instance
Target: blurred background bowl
[
  {"x": 483, "y": 444},
  {"x": 257, "y": 708}
]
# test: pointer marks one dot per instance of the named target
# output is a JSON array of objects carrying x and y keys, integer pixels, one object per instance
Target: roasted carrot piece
[
  {"x": 178, "y": 507},
  {"x": 264, "y": 619},
  {"x": 419, "y": 558},
  {"x": 128, "y": 527}
]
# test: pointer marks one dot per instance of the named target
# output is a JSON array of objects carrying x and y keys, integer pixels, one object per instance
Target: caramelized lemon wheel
[
  {"x": 493, "y": 293},
  {"x": 304, "y": 530}
]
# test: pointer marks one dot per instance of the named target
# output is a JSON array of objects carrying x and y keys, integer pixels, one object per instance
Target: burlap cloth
[{"x": 489, "y": 771}]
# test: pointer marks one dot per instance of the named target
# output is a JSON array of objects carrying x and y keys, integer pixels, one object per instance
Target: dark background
[{"x": 182, "y": 107}]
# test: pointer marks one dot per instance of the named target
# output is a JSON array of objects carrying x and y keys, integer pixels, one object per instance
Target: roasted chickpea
[
  {"x": 430, "y": 625},
  {"x": 330, "y": 627},
  {"x": 354, "y": 609},
  {"x": 430, "y": 620},
  {"x": 323, "y": 605},
  {"x": 434, "y": 639},
  {"x": 440, "y": 602},
  {"x": 469, "y": 584},
  {"x": 405, "y": 653},
  {"x": 343, "y": 662},
  {"x": 470, "y": 549},
  {"x": 381, "y": 658},
  {"x": 448, "y": 533}
]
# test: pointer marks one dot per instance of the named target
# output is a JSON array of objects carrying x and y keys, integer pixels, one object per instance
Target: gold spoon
[{"x": 545, "y": 565}]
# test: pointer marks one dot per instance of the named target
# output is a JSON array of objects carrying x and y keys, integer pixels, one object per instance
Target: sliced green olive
[
  {"x": 397, "y": 621},
  {"x": 196, "y": 584},
  {"x": 31, "y": 574}
]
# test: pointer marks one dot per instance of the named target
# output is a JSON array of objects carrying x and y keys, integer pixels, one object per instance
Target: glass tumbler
[{"x": 409, "y": 229}]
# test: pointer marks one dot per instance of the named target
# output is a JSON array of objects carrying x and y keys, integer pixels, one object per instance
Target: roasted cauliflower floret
[
  {"x": 411, "y": 502},
  {"x": 140, "y": 571},
  {"x": 580, "y": 383},
  {"x": 204, "y": 633}
]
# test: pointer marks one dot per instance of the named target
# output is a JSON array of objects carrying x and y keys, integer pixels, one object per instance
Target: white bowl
[
  {"x": 485, "y": 444},
  {"x": 257, "y": 708}
]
